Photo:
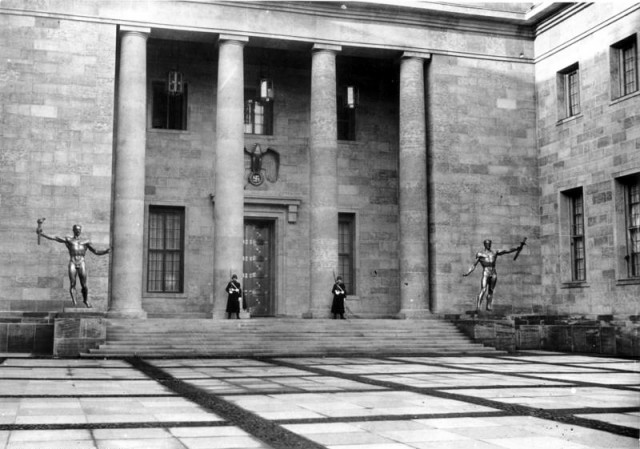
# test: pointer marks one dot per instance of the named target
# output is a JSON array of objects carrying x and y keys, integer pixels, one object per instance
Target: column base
[
  {"x": 317, "y": 314},
  {"x": 127, "y": 314},
  {"x": 415, "y": 314}
]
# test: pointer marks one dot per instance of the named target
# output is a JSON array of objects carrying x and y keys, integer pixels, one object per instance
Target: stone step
[
  {"x": 323, "y": 351},
  {"x": 271, "y": 334},
  {"x": 283, "y": 336}
]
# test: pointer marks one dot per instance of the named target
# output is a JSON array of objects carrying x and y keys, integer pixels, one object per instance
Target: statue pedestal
[{"x": 76, "y": 330}]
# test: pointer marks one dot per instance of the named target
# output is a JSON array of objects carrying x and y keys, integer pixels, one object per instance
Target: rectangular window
[
  {"x": 578, "y": 265},
  {"x": 624, "y": 67},
  {"x": 168, "y": 111},
  {"x": 346, "y": 254},
  {"x": 573, "y": 93},
  {"x": 346, "y": 120},
  {"x": 633, "y": 225},
  {"x": 568, "y": 81},
  {"x": 165, "y": 262},
  {"x": 258, "y": 115}
]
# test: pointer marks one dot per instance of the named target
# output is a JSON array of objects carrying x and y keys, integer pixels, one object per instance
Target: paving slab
[{"x": 527, "y": 400}]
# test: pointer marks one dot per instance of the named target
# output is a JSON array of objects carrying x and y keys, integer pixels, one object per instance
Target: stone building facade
[{"x": 459, "y": 134}]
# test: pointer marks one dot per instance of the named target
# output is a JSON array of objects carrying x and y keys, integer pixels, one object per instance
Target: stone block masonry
[
  {"x": 483, "y": 181},
  {"x": 56, "y": 140},
  {"x": 590, "y": 152}
]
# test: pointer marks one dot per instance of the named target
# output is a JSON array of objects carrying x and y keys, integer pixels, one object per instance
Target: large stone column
[
  {"x": 129, "y": 176},
  {"x": 229, "y": 169},
  {"x": 414, "y": 275},
  {"x": 323, "y": 152}
]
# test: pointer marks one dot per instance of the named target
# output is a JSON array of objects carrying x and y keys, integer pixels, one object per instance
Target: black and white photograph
[{"x": 386, "y": 224}]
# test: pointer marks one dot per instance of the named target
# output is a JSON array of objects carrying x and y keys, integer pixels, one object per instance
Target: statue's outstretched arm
[
  {"x": 55, "y": 238},
  {"x": 97, "y": 252}
]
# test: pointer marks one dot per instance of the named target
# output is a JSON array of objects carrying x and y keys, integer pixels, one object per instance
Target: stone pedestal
[{"x": 77, "y": 330}]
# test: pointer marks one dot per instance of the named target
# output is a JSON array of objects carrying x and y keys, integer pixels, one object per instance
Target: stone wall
[
  {"x": 483, "y": 180},
  {"x": 589, "y": 151},
  {"x": 575, "y": 334},
  {"x": 56, "y": 140},
  {"x": 27, "y": 333}
]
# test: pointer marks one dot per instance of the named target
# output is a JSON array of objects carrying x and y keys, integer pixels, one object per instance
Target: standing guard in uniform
[
  {"x": 234, "y": 292},
  {"x": 339, "y": 291}
]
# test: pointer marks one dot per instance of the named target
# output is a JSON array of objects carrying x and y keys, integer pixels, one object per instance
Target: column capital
[
  {"x": 415, "y": 55},
  {"x": 145, "y": 31},
  {"x": 326, "y": 47},
  {"x": 233, "y": 37}
]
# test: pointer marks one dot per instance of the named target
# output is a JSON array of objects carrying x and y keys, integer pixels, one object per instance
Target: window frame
[
  {"x": 172, "y": 120},
  {"x": 623, "y": 64},
  {"x": 568, "y": 85},
  {"x": 164, "y": 212},
  {"x": 572, "y": 238},
  {"x": 347, "y": 259},
  {"x": 577, "y": 235},
  {"x": 251, "y": 105},
  {"x": 632, "y": 225}
]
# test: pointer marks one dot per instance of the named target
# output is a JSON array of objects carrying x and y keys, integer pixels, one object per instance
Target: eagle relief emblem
[{"x": 261, "y": 164}]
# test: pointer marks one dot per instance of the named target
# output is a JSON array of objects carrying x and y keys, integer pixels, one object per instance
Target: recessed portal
[{"x": 259, "y": 267}]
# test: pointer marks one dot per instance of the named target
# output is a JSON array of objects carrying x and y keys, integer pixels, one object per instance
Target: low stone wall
[
  {"x": 600, "y": 335},
  {"x": 61, "y": 334},
  {"x": 28, "y": 332}
]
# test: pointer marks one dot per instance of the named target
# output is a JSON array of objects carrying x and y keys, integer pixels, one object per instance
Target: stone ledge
[{"x": 601, "y": 334}]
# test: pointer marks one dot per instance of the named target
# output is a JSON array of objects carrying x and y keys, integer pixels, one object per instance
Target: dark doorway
[{"x": 259, "y": 267}]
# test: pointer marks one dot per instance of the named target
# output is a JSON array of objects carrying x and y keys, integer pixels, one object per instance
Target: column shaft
[
  {"x": 129, "y": 178},
  {"x": 229, "y": 171},
  {"x": 414, "y": 280},
  {"x": 323, "y": 149}
]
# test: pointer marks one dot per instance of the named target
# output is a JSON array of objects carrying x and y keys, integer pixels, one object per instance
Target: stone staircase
[{"x": 282, "y": 337}]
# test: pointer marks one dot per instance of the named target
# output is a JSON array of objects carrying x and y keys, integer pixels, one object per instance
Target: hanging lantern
[
  {"x": 175, "y": 84},
  {"x": 266, "y": 89},
  {"x": 352, "y": 97}
]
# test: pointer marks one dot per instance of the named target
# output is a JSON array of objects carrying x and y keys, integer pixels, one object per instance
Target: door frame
[
  {"x": 271, "y": 226},
  {"x": 276, "y": 218},
  {"x": 283, "y": 210}
]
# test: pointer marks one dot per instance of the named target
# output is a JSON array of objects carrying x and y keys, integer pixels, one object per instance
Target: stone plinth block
[{"x": 75, "y": 333}]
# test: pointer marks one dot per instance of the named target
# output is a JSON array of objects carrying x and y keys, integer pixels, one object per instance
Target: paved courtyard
[{"x": 534, "y": 400}]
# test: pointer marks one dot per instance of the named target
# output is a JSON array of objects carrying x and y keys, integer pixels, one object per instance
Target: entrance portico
[{"x": 315, "y": 185}]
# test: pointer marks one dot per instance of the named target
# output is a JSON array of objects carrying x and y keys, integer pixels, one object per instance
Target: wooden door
[{"x": 259, "y": 267}]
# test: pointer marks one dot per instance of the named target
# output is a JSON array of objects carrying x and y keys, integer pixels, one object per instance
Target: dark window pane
[{"x": 166, "y": 235}]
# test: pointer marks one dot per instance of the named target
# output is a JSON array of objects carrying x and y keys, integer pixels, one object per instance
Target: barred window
[
  {"x": 258, "y": 115},
  {"x": 578, "y": 265},
  {"x": 624, "y": 67},
  {"x": 568, "y": 81},
  {"x": 166, "y": 250},
  {"x": 633, "y": 226},
  {"x": 346, "y": 254}
]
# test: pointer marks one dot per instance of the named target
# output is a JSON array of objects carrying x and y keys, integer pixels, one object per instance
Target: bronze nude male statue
[
  {"x": 488, "y": 258},
  {"x": 77, "y": 249}
]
